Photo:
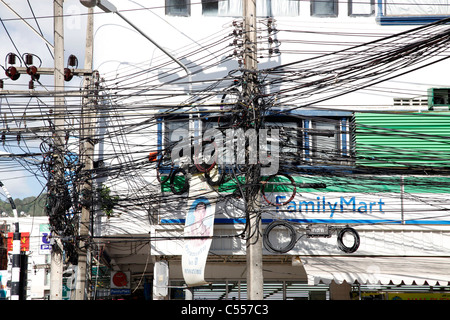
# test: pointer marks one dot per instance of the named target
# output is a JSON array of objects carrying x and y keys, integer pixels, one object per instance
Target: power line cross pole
[
  {"x": 56, "y": 266},
  {"x": 56, "y": 183},
  {"x": 255, "y": 279},
  {"x": 86, "y": 158}
]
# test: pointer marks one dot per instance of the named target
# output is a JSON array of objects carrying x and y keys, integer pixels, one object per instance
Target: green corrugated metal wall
[{"x": 407, "y": 140}]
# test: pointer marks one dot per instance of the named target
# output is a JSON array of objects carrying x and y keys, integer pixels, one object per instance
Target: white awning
[{"x": 377, "y": 270}]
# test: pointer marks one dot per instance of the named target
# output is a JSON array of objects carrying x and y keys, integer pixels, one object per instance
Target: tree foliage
[{"x": 33, "y": 206}]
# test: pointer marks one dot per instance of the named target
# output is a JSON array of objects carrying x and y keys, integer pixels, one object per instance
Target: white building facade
[{"x": 335, "y": 76}]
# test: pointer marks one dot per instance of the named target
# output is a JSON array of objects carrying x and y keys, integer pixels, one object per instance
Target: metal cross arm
[{"x": 51, "y": 71}]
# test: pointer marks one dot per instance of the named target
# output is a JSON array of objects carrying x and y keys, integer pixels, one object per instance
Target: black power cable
[
  {"x": 280, "y": 224},
  {"x": 173, "y": 181},
  {"x": 340, "y": 240},
  {"x": 268, "y": 181}
]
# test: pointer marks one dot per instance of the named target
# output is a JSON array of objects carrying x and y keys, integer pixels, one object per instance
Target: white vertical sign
[
  {"x": 198, "y": 230},
  {"x": 161, "y": 279}
]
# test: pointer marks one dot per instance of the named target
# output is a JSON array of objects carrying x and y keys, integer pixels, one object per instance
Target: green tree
[{"x": 33, "y": 206}]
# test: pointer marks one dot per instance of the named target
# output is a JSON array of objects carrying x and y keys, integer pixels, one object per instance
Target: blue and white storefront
[{"x": 401, "y": 218}]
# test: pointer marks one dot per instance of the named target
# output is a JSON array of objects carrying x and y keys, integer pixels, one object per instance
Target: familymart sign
[
  {"x": 336, "y": 208},
  {"x": 322, "y": 204},
  {"x": 357, "y": 200}
]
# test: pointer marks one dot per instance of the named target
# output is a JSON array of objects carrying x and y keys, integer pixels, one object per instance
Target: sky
[{"x": 18, "y": 37}]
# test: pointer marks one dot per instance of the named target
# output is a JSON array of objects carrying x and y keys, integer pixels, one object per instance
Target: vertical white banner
[
  {"x": 160, "y": 279},
  {"x": 198, "y": 232}
]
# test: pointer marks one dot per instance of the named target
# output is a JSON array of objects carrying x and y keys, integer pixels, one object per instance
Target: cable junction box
[{"x": 318, "y": 230}]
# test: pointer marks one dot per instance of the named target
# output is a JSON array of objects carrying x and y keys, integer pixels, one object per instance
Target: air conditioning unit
[{"x": 438, "y": 98}]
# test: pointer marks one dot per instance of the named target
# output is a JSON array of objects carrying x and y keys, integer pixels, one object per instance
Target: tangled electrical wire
[{"x": 141, "y": 106}]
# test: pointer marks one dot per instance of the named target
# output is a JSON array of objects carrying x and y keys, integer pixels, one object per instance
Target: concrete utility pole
[
  {"x": 16, "y": 267},
  {"x": 255, "y": 281},
  {"x": 86, "y": 159},
  {"x": 56, "y": 183},
  {"x": 56, "y": 266}
]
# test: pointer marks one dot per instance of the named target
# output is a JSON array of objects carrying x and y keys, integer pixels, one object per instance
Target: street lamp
[{"x": 106, "y": 6}]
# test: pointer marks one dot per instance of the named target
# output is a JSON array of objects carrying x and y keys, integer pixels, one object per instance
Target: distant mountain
[{"x": 33, "y": 206}]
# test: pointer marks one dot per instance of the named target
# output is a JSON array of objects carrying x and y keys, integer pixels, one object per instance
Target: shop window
[
  {"x": 322, "y": 141},
  {"x": 174, "y": 132},
  {"x": 326, "y": 144},
  {"x": 415, "y": 8},
  {"x": 324, "y": 8},
  {"x": 178, "y": 8},
  {"x": 290, "y": 141},
  {"x": 264, "y": 8},
  {"x": 210, "y": 7},
  {"x": 302, "y": 141},
  {"x": 361, "y": 7}
]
